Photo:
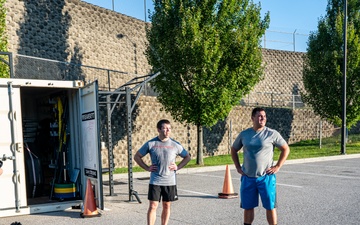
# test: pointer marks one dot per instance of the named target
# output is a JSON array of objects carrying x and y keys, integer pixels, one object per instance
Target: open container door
[
  {"x": 13, "y": 187},
  {"x": 90, "y": 140}
]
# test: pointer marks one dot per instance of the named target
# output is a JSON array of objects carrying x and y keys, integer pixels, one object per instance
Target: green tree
[
  {"x": 4, "y": 69},
  {"x": 323, "y": 65},
  {"x": 209, "y": 56}
]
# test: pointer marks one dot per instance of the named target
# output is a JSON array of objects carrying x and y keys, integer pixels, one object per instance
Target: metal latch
[
  {"x": 18, "y": 147},
  {"x": 4, "y": 158}
]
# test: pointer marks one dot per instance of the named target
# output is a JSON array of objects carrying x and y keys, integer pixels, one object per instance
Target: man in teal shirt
[{"x": 162, "y": 186}]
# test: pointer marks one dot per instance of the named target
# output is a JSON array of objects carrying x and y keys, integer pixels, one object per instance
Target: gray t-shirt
[
  {"x": 162, "y": 154},
  {"x": 258, "y": 149}
]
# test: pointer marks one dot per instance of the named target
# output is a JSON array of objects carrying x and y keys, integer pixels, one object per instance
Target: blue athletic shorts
[{"x": 252, "y": 187}]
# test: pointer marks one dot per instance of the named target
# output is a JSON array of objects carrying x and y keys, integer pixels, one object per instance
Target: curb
[{"x": 322, "y": 159}]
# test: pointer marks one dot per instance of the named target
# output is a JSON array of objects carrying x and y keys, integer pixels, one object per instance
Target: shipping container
[{"x": 49, "y": 145}]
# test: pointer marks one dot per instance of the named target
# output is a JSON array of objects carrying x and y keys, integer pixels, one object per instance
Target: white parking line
[
  {"x": 199, "y": 193},
  {"x": 207, "y": 175},
  {"x": 289, "y": 185},
  {"x": 193, "y": 192},
  {"x": 322, "y": 175}
]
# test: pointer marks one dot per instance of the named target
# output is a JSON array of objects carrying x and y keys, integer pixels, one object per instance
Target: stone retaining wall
[
  {"x": 113, "y": 45},
  {"x": 294, "y": 125}
]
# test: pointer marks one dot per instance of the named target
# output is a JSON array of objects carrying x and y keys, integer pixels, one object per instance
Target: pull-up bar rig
[{"x": 135, "y": 85}]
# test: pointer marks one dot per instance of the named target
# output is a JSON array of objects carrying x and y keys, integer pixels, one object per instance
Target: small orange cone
[
  {"x": 228, "y": 190},
  {"x": 90, "y": 209}
]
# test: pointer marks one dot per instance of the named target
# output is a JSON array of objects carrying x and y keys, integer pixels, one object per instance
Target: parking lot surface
[{"x": 312, "y": 191}]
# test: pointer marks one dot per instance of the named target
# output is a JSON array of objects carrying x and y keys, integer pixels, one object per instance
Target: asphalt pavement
[{"x": 310, "y": 191}]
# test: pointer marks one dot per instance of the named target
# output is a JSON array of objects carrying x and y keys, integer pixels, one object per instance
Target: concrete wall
[{"x": 83, "y": 34}]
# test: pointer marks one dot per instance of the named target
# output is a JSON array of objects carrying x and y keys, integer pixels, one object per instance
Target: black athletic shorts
[{"x": 166, "y": 193}]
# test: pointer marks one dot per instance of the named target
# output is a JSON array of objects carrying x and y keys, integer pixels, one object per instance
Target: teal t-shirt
[
  {"x": 258, "y": 149},
  {"x": 162, "y": 154}
]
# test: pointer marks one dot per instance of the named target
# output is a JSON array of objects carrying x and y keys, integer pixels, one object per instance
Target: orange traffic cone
[
  {"x": 90, "y": 209},
  {"x": 228, "y": 190}
]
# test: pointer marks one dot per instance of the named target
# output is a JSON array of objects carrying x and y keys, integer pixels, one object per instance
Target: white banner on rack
[{"x": 89, "y": 144}]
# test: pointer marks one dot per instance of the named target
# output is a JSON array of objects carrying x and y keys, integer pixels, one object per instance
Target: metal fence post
[
  {"x": 293, "y": 100},
  {"x": 320, "y": 133},
  {"x": 294, "y": 39},
  {"x": 110, "y": 146},
  {"x": 265, "y": 40}
]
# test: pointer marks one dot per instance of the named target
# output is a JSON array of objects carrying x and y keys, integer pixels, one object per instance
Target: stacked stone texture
[
  {"x": 78, "y": 32},
  {"x": 84, "y": 34},
  {"x": 294, "y": 125},
  {"x": 282, "y": 78}
]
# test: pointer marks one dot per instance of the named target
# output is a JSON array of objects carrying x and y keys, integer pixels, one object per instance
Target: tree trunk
[{"x": 199, "y": 157}]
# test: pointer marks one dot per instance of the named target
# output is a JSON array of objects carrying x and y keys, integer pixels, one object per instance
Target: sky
[{"x": 291, "y": 21}]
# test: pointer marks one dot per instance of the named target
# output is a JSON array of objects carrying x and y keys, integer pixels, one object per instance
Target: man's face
[
  {"x": 259, "y": 120},
  {"x": 165, "y": 131}
]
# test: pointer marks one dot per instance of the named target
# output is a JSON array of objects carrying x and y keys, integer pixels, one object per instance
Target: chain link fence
[
  {"x": 273, "y": 99},
  {"x": 285, "y": 40},
  {"x": 47, "y": 69},
  {"x": 39, "y": 68}
]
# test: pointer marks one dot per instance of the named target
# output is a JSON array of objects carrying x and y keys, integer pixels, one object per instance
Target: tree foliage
[
  {"x": 323, "y": 65},
  {"x": 209, "y": 56},
  {"x": 4, "y": 69}
]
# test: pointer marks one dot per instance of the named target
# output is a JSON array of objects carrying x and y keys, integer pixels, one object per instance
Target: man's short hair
[
  {"x": 161, "y": 122},
  {"x": 255, "y": 110}
]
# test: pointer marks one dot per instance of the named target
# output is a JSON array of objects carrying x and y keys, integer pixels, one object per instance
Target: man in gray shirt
[
  {"x": 258, "y": 172},
  {"x": 163, "y": 151}
]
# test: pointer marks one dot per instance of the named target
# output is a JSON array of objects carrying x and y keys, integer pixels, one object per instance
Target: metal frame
[
  {"x": 133, "y": 87},
  {"x": 15, "y": 146}
]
